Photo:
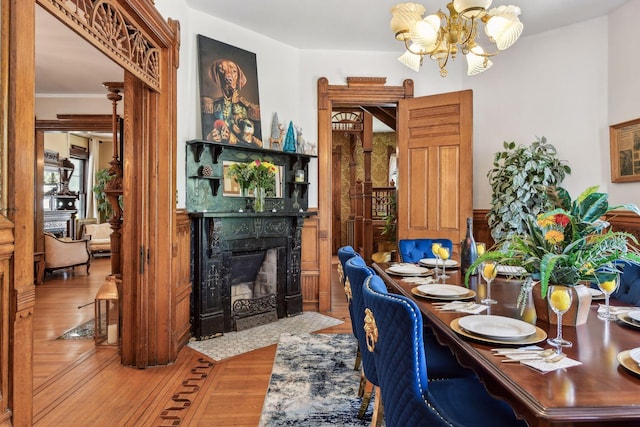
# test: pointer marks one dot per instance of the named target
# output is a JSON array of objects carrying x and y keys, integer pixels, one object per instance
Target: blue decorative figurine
[{"x": 290, "y": 140}]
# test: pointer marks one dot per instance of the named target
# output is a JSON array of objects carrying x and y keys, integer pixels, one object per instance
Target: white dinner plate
[
  {"x": 497, "y": 327},
  {"x": 596, "y": 294},
  {"x": 408, "y": 269},
  {"x": 634, "y": 315},
  {"x": 635, "y": 355},
  {"x": 431, "y": 262},
  {"x": 510, "y": 270},
  {"x": 436, "y": 290}
]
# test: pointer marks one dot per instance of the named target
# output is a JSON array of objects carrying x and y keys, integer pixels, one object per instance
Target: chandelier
[{"x": 441, "y": 36}]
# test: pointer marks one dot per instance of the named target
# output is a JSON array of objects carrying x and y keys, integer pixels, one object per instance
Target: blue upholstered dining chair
[
  {"x": 344, "y": 254},
  {"x": 393, "y": 326},
  {"x": 356, "y": 272},
  {"x": 413, "y": 250},
  {"x": 629, "y": 289}
]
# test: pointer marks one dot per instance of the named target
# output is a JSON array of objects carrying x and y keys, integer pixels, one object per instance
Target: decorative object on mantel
[
  {"x": 262, "y": 180},
  {"x": 290, "y": 140},
  {"x": 441, "y": 36},
  {"x": 241, "y": 172},
  {"x": 206, "y": 170},
  {"x": 277, "y": 132},
  {"x": 568, "y": 245}
]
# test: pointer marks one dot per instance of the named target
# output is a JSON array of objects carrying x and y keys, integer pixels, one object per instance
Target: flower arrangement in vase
[
  {"x": 242, "y": 173},
  {"x": 262, "y": 180},
  {"x": 567, "y": 245}
]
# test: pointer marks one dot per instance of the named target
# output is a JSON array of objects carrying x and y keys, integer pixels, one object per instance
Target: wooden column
[{"x": 113, "y": 188}]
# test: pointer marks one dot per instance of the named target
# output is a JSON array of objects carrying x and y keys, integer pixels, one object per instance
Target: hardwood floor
[{"x": 77, "y": 384}]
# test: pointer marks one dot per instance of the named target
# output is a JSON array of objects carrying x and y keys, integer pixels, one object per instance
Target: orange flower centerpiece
[{"x": 568, "y": 245}]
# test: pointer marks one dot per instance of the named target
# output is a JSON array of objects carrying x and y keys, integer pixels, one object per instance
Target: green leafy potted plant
[
  {"x": 518, "y": 179},
  {"x": 568, "y": 245},
  {"x": 102, "y": 202}
]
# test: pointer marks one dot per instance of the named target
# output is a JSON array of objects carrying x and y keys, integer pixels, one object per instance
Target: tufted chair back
[
  {"x": 629, "y": 289},
  {"x": 399, "y": 356},
  {"x": 357, "y": 272},
  {"x": 344, "y": 254},
  {"x": 413, "y": 250},
  {"x": 394, "y": 335}
]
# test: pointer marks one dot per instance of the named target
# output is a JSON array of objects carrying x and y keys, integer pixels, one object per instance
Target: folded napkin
[
  {"x": 615, "y": 309},
  {"x": 420, "y": 280},
  {"x": 544, "y": 367},
  {"x": 463, "y": 307}
]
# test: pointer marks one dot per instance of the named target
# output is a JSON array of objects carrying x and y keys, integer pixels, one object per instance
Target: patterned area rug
[
  {"x": 234, "y": 343},
  {"x": 313, "y": 383}
]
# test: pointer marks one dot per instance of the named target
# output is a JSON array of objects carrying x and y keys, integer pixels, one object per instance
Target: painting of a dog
[{"x": 230, "y": 106}]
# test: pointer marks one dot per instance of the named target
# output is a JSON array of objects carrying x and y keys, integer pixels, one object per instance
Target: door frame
[
  {"x": 367, "y": 91},
  {"x": 150, "y": 114}
]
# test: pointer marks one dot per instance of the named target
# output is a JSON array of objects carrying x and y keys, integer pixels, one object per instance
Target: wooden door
[{"x": 435, "y": 166}]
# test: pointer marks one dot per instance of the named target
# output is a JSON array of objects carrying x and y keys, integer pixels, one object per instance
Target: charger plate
[
  {"x": 497, "y": 327},
  {"x": 408, "y": 270},
  {"x": 625, "y": 360},
  {"x": 431, "y": 262},
  {"x": 624, "y": 317},
  {"x": 596, "y": 294},
  {"x": 510, "y": 270},
  {"x": 439, "y": 292},
  {"x": 540, "y": 335}
]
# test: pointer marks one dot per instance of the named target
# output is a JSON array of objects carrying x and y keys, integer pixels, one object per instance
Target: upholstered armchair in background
[
  {"x": 64, "y": 253},
  {"x": 99, "y": 237}
]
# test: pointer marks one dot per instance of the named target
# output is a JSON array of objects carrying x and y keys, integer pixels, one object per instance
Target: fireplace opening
[{"x": 254, "y": 278}]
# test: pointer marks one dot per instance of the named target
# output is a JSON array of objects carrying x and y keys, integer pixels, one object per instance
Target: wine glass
[
  {"x": 489, "y": 272},
  {"x": 435, "y": 247},
  {"x": 481, "y": 248},
  {"x": 559, "y": 298},
  {"x": 608, "y": 287},
  {"x": 444, "y": 255}
]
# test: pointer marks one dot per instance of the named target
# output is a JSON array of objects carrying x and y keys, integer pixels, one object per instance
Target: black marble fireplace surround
[
  {"x": 225, "y": 236},
  {"x": 218, "y": 238}
]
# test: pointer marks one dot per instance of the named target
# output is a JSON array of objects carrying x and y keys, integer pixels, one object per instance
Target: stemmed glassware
[
  {"x": 608, "y": 287},
  {"x": 444, "y": 256},
  {"x": 559, "y": 298},
  {"x": 435, "y": 247},
  {"x": 489, "y": 272},
  {"x": 481, "y": 248}
]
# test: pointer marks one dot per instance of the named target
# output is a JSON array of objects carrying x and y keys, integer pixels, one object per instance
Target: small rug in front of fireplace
[
  {"x": 234, "y": 343},
  {"x": 81, "y": 332}
]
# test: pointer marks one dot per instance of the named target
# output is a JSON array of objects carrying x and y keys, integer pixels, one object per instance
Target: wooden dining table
[{"x": 597, "y": 392}]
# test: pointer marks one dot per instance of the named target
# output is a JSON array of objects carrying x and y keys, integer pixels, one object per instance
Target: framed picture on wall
[
  {"x": 229, "y": 101},
  {"x": 625, "y": 151}
]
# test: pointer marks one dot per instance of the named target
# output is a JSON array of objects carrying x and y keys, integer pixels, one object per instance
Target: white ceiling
[{"x": 361, "y": 25}]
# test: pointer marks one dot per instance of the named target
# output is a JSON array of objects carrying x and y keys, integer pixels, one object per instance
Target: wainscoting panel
[
  {"x": 182, "y": 284},
  {"x": 310, "y": 265}
]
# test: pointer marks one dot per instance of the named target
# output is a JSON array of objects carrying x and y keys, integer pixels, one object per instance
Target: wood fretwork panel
[{"x": 114, "y": 33}]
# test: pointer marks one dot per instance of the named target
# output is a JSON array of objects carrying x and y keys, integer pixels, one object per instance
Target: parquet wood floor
[{"x": 76, "y": 384}]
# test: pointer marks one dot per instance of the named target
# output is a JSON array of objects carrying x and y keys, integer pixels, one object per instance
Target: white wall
[
  {"x": 624, "y": 84},
  {"x": 553, "y": 84}
]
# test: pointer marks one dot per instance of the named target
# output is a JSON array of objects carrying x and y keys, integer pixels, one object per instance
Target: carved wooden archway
[
  {"x": 134, "y": 35},
  {"x": 365, "y": 91}
]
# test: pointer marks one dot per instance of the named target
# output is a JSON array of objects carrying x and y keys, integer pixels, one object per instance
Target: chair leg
[
  {"x": 366, "y": 398},
  {"x": 363, "y": 383},
  {"x": 378, "y": 409},
  {"x": 358, "y": 358}
]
